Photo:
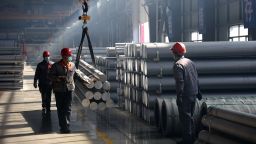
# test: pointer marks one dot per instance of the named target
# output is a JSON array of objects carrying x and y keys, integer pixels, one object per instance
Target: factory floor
[{"x": 21, "y": 122}]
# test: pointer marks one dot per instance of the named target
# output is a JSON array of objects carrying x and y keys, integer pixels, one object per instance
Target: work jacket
[
  {"x": 62, "y": 76},
  {"x": 186, "y": 78},
  {"x": 41, "y": 74}
]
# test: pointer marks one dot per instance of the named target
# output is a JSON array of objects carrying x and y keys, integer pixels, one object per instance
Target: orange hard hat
[
  {"x": 66, "y": 52},
  {"x": 178, "y": 48},
  {"x": 46, "y": 54}
]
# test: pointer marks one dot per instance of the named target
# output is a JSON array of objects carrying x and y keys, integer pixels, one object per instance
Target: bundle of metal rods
[
  {"x": 92, "y": 89},
  {"x": 227, "y": 126},
  {"x": 226, "y": 73},
  {"x": 11, "y": 65},
  {"x": 167, "y": 116}
]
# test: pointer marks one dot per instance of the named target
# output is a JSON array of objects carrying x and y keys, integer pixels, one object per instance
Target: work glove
[{"x": 35, "y": 84}]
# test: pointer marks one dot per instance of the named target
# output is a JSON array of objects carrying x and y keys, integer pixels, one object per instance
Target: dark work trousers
[
  {"x": 46, "y": 92},
  {"x": 63, "y": 103},
  {"x": 186, "y": 111}
]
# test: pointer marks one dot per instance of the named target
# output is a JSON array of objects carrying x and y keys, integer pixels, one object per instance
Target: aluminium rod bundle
[
  {"x": 91, "y": 89},
  {"x": 11, "y": 65},
  {"x": 225, "y": 125}
]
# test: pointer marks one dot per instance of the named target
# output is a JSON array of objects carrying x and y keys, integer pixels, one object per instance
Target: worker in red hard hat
[
  {"x": 187, "y": 90},
  {"x": 62, "y": 76},
  {"x": 44, "y": 83}
]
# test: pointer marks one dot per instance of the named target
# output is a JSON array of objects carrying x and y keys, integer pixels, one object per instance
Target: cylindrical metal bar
[
  {"x": 206, "y": 83},
  {"x": 220, "y": 49},
  {"x": 156, "y": 51},
  {"x": 234, "y": 116},
  {"x": 93, "y": 106},
  {"x": 89, "y": 95},
  {"x": 111, "y": 52},
  {"x": 101, "y": 106},
  {"x": 158, "y": 84},
  {"x": 158, "y": 68},
  {"x": 90, "y": 69},
  {"x": 84, "y": 78},
  {"x": 210, "y": 138},
  {"x": 105, "y": 96},
  {"x": 97, "y": 95},
  {"x": 11, "y": 69},
  {"x": 170, "y": 123},
  {"x": 231, "y": 128},
  {"x": 86, "y": 103},
  {"x": 230, "y": 66},
  {"x": 106, "y": 85},
  {"x": 114, "y": 86},
  {"x": 98, "y": 85},
  {"x": 109, "y": 103},
  {"x": 111, "y": 75}
]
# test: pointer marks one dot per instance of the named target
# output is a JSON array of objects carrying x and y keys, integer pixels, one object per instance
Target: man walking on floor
[
  {"x": 44, "y": 83},
  {"x": 62, "y": 76}
]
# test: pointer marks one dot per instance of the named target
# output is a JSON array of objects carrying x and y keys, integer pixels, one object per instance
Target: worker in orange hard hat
[
  {"x": 62, "y": 76},
  {"x": 187, "y": 89},
  {"x": 43, "y": 82}
]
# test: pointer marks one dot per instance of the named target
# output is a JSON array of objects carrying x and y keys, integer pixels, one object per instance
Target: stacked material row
[
  {"x": 129, "y": 77},
  {"x": 92, "y": 88},
  {"x": 226, "y": 71},
  {"x": 227, "y": 126},
  {"x": 11, "y": 65},
  {"x": 108, "y": 65},
  {"x": 157, "y": 81},
  {"x": 167, "y": 116},
  {"x": 110, "y": 70}
]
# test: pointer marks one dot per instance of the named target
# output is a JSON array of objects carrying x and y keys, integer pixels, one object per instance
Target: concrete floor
[{"x": 21, "y": 122}]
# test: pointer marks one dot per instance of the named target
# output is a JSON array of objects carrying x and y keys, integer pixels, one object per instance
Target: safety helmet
[
  {"x": 178, "y": 48},
  {"x": 66, "y": 52},
  {"x": 46, "y": 54}
]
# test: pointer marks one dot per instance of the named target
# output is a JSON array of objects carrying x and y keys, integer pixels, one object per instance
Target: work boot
[
  {"x": 44, "y": 111},
  {"x": 64, "y": 131}
]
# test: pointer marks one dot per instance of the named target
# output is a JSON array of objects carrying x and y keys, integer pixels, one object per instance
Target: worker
[
  {"x": 62, "y": 76},
  {"x": 187, "y": 90},
  {"x": 44, "y": 83}
]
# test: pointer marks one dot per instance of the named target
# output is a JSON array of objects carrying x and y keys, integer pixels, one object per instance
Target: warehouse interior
[{"x": 125, "y": 90}]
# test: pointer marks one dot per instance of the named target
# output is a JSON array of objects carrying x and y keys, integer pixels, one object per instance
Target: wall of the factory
[
  {"x": 212, "y": 18},
  {"x": 111, "y": 22}
]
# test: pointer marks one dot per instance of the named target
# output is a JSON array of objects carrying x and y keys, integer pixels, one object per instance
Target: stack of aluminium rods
[
  {"x": 92, "y": 87},
  {"x": 227, "y": 72},
  {"x": 157, "y": 78},
  {"x": 227, "y": 126},
  {"x": 108, "y": 65},
  {"x": 11, "y": 65},
  {"x": 110, "y": 70},
  {"x": 131, "y": 81}
]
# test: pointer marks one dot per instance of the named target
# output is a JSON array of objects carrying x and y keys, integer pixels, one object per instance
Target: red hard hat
[
  {"x": 46, "y": 54},
  {"x": 178, "y": 48},
  {"x": 66, "y": 52}
]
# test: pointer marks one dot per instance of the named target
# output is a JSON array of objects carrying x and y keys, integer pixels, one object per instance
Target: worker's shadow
[
  {"x": 46, "y": 124},
  {"x": 41, "y": 123}
]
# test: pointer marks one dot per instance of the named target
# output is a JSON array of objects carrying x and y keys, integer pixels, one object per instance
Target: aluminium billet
[
  {"x": 206, "y": 83},
  {"x": 90, "y": 69},
  {"x": 234, "y": 116},
  {"x": 11, "y": 59},
  {"x": 234, "y": 129},
  {"x": 207, "y": 137}
]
